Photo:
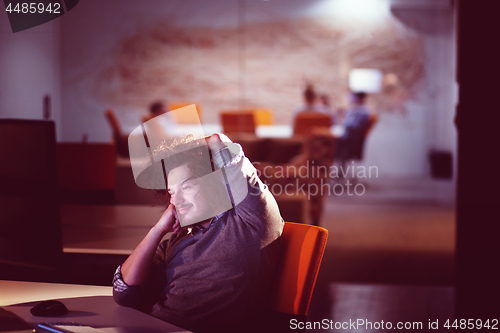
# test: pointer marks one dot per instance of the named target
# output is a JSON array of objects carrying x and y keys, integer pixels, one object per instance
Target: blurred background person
[
  {"x": 164, "y": 124},
  {"x": 324, "y": 106},
  {"x": 309, "y": 101},
  {"x": 355, "y": 124},
  {"x": 155, "y": 109}
]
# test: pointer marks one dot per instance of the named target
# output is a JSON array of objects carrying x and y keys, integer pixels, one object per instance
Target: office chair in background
[
  {"x": 185, "y": 117},
  {"x": 119, "y": 137},
  {"x": 235, "y": 122},
  {"x": 306, "y": 121}
]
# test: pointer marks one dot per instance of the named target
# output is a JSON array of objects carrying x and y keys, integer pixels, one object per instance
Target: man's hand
[
  {"x": 135, "y": 270},
  {"x": 169, "y": 221},
  {"x": 216, "y": 141}
]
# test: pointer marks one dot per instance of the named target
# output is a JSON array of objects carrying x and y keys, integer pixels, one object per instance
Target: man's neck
[{"x": 205, "y": 223}]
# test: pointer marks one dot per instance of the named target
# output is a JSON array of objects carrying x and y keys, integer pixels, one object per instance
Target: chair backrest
[
  {"x": 263, "y": 116},
  {"x": 320, "y": 147},
  {"x": 372, "y": 119},
  {"x": 30, "y": 230},
  {"x": 120, "y": 139},
  {"x": 306, "y": 121},
  {"x": 296, "y": 273},
  {"x": 238, "y": 122},
  {"x": 185, "y": 118},
  {"x": 113, "y": 122},
  {"x": 355, "y": 146}
]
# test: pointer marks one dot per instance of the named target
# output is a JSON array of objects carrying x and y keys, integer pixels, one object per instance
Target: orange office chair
[
  {"x": 182, "y": 118},
  {"x": 306, "y": 121},
  {"x": 373, "y": 118},
  {"x": 296, "y": 273},
  {"x": 237, "y": 122},
  {"x": 120, "y": 139},
  {"x": 263, "y": 116}
]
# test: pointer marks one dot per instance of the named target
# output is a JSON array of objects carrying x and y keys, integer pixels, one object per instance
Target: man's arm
[
  {"x": 252, "y": 200},
  {"x": 135, "y": 270}
]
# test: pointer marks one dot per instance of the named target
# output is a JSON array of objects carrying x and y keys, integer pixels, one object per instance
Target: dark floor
[
  {"x": 390, "y": 256},
  {"x": 380, "y": 308}
]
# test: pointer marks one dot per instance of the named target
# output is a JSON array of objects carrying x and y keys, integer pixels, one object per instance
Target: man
[
  {"x": 355, "y": 123},
  {"x": 216, "y": 275}
]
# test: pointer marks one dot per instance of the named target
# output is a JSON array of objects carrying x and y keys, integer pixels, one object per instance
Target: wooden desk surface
[
  {"x": 13, "y": 292},
  {"x": 87, "y": 305},
  {"x": 110, "y": 216},
  {"x": 262, "y": 131},
  {"x": 94, "y": 305}
]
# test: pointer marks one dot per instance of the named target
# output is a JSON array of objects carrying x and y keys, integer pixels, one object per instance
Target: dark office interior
[{"x": 412, "y": 237}]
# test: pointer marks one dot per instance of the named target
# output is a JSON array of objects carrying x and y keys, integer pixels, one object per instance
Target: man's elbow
[{"x": 125, "y": 298}]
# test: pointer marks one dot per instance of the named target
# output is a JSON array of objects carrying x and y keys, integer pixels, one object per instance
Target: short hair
[
  {"x": 156, "y": 107},
  {"x": 309, "y": 94},
  {"x": 193, "y": 151},
  {"x": 187, "y": 150},
  {"x": 169, "y": 154},
  {"x": 360, "y": 96}
]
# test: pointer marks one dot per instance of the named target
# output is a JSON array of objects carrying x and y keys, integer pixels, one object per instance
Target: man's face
[{"x": 188, "y": 197}]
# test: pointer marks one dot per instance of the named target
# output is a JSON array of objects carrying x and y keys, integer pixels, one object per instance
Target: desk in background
[
  {"x": 106, "y": 229},
  {"x": 98, "y": 238},
  {"x": 261, "y": 131}
]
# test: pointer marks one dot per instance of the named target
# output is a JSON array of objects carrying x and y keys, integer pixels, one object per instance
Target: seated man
[
  {"x": 356, "y": 123},
  {"x": 217, "y": 274}
]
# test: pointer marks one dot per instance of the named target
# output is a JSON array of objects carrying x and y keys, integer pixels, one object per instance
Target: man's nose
[{"x": 176, "y": 199}]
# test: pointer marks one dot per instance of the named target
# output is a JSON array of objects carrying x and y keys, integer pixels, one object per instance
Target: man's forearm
[{"x": 135, "y": 270}]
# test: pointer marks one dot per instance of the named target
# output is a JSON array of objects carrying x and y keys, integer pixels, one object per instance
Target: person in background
[
  {"x": 309, "y": 101},
  {"x": 155, "y": 109},
  {"x": 355, "y": 124},
  {"x": 324, "y": 105},
  {"x": 357, "y": 115},
  {"x": 164, "y": 124}
]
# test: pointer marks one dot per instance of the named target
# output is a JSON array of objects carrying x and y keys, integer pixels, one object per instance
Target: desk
[
  {"x": 101, "y": 229},
  {"x": 98, "y": 238},
  {"x": 261, "y": 131},
  {"x": 285, "y": 131},
  {"x": 87, "y": 305}
]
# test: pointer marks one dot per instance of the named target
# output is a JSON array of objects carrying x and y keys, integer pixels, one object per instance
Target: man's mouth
[{"x": 183, "y": 209}]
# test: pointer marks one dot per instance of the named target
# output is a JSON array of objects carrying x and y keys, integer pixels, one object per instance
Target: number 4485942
[
  {"x": 472, "y": 324},
  {"x": 34, "y": 8}
]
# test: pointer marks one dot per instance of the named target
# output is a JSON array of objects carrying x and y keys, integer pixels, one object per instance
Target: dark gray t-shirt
[{"x": 219, "y": 276}]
